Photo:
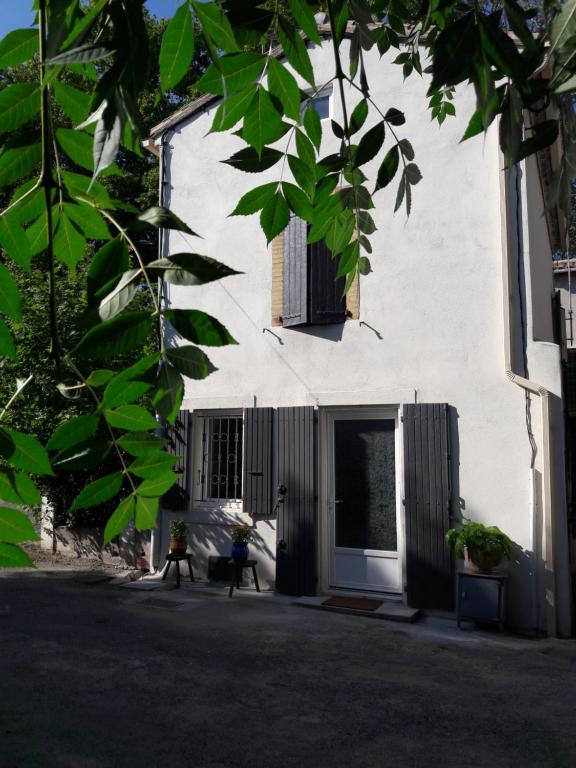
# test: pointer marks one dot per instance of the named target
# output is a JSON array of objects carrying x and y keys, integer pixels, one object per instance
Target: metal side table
[{"x": 482, "y": 597}]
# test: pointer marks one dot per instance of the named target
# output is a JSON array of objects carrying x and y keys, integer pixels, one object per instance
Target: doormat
[{"x": 357, "y": 603}]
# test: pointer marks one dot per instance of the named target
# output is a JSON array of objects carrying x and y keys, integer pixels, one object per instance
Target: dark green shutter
[
  {"x": 326, "y": 293},
  {"x": 427, "y": 505},
  {"x": 180, "y": 444},
  {"x": 257, "y": 461},
  {"x": 295, "y": 468}
]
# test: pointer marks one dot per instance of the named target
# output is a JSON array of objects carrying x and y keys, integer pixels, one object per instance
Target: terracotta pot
[
  {"x": 178, "y": 546},
  {"x": 479, "y": 560}
]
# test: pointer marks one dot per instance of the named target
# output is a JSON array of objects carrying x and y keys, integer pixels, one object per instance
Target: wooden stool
[
  {"x": 237, "y": 577},
  {"x": 172, "y": 557}
]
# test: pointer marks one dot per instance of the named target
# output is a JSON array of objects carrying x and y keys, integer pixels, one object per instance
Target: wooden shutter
[
  {"x": 327, "y": 303},
  {"x": 295, "y": 299},
  {"x": 257, "y": 462},
  {"x": 295, "y": 468},
  {"x": 180, "y": 444},
  {"x": 427, "y": 505}
]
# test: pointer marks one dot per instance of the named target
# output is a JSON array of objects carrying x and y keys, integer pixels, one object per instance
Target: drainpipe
[{"x": 547, "y": 491}]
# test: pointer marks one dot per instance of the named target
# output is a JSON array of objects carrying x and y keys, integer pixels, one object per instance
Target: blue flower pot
[{"x": 239, "y": 551}]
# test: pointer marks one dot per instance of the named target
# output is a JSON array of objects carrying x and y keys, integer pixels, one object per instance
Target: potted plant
[
  {"x": 482, "y": 547},
  {"x": 241, "y": 535},
  {"x": 178, "y": 536}
]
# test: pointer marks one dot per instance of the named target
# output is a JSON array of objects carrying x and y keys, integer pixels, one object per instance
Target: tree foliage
[{"x": 64, "y": 200}]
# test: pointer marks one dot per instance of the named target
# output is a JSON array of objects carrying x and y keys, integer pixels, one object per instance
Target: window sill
[{"x": 207, "y": 513}]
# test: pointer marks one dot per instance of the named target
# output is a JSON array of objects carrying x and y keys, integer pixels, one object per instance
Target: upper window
[
  {"x": 312, "y": 294},
  {"x": 221, "y": 472},
  {"x": 321, "y": 105}
]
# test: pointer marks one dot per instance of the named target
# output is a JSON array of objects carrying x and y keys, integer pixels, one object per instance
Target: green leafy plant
[
  {"x": 241, "y": 534},
  {"x": 476, "y": 537},
  {"x": 178, "y": 529}
]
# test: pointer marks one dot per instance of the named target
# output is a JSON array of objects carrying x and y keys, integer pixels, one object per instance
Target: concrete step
[{"x": 389, "y": 610}]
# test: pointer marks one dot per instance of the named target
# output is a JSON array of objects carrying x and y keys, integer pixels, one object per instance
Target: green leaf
[
  {"x": 141, "y": 443},
  {"x": 167, "y": 398},
  {"x": 120, "y": 392},
  {"x": 406, "y": 149},
  {"x": 199, "y": 327},
  {"x": 19, "y": 103},
  {"x": 234, "y": 73},
  {"x": 18, "y": 162},
  {"x": 298, "y": 201},
  {"x": 284, "y": 86},
  {"x": 10, "y": 300},
  {"x": 28, "y": 453},
  {"x": 7, "y": 348},
  {"x": 18, "y": 46},
  {"x": 191, "y": 269},
  {"x": 364, "y": 266},
  {"x": 231, "y": 110},
  {"x": 78, "y": 147},
  {"x": 366, "y": 223},
  {"x": 98, "y": 491},
  {"x": 75, "y": 104},
  {"x": 158, "y": 485},
  {"x": 99, "y": 378},
  {"x": 16, "y": 526},
  {"x": 84, "y": 189},
  {"x": 28, "y": 208},
  {"x": 87, "y": 455},
  {"x": 263, "y": 122},
  {"x": 304, "y": 175},
  {"x": 82, "y": 54},
  {"x": 107, "y": 136},
  {"x": 87, "y": 220},
  {"x": 37, "y": 235},
  {"x": 114, "y": 337},
  {"x": 250, "y": 161},
  {"x": 394, "y": 117},
  {"x": 177, "y": 49},
  {"x": 152, "y": 464},
  {"x": 114, "y": 302},
  {"x": 313, "y": 126},
  {"x": 69, "y": 244},
  {"x": 131, "y": 417},
  {"x": 305, "y": 149},
  {"x": 190, "y": 361},
  {"x": 412, "y": 172},
  {"x": 216, "y": 25},
  {"x": 358, "y": 116},
  {"x": 75, "y": 430},
  {"x": 295, "y": 50},
  {"x": 17, "y": 488},
  {"x": 14, "y": 241},
  {"x": 161, "y": 218},
  {"x": 304, "y": 17},
  {"x": 274, "y": 217},
  {"x": 348, "y": 260},
  {"x": 370, "y": 144},
  {"x": 146, "y": 513},
  {"x": 120, "y": 518},
  {"x": 388, "y": 169},
  {"x": 400, "y": 194},
  {"x": 109, "y": 262},
  {"x": 255, "y": 200},
  {"x": 12, "y": 556}
]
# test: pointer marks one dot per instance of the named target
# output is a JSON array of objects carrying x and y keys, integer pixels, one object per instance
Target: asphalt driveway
[{"x": 93, "y": 675}]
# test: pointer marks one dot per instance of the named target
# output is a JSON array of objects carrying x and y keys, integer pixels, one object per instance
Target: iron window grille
[{"x": 222, "y": 458}]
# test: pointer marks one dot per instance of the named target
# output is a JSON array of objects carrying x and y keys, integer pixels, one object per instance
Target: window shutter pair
[{"x": 311, "y": 293}]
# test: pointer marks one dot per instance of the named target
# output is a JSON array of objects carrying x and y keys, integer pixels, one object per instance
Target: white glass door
[{"x": 363, "y": 504}]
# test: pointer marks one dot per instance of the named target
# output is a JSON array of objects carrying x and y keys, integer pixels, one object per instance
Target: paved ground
[{"x": 95, "y": 676}]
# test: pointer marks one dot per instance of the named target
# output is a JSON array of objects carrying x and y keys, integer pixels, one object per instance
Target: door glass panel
[{"x": 365, "y": 484}]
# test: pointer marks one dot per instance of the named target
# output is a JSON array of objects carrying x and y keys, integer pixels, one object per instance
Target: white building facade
[{"x": 352, "y": 446}]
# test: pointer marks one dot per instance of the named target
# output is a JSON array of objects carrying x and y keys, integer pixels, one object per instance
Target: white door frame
[{"x": 327, "y": 416}]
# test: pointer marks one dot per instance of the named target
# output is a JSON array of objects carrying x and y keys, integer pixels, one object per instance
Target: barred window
[{"x": 222, "y": 458}]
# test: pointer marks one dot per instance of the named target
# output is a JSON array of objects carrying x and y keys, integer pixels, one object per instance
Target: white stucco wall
[{"x": 430, "y": 314}]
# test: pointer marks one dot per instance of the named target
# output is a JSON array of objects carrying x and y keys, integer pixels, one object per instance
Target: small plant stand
[
  {"x": 171, "y": 557},
  {"x": 482, "y": 597},
  {"x": 238, "y": 566}
]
